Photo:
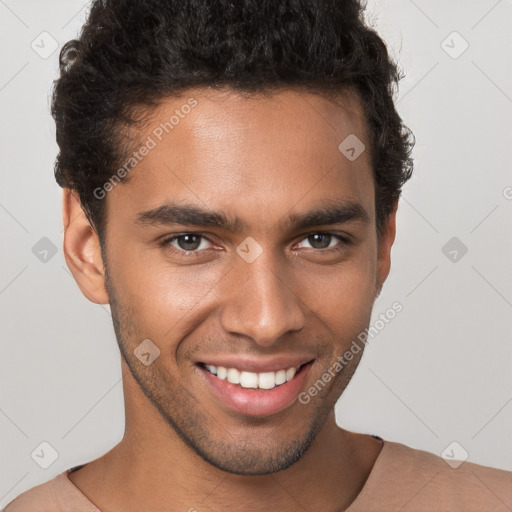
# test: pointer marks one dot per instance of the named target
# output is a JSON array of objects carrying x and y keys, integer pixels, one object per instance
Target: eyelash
[{"x": 167, "y": 243}]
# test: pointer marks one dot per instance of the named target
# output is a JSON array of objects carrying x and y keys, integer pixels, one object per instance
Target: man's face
[{"x": 262, "y": 298}]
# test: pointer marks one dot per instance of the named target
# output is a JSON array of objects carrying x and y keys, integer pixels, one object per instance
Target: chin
[{"x": 254, "y": 458}]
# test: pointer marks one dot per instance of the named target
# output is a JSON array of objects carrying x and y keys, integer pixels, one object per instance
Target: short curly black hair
[{"x": 134, "y": 53}]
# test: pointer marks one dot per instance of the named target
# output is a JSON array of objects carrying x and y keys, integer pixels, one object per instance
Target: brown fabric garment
[{"x": 403, "y": 479}]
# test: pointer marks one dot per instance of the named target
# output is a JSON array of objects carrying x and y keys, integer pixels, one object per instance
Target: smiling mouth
[{"x": 254, "y": 380}]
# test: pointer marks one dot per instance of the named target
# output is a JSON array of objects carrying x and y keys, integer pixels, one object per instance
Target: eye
[
  {"x": 327, "y": 241},
  {"x": 193, "y": 244},
  {"x": 186, "y": 243}
]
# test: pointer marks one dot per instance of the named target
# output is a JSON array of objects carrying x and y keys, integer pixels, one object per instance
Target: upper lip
[{"x": 261, "y": 365}]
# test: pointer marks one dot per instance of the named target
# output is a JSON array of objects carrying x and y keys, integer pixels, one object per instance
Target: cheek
[
  {"x": 164, "y": 297},
  {"x": 344, "y": 295},
  {"x": 346, "y": 305}
]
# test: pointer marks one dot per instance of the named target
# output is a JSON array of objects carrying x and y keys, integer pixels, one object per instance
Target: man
[{"x": 231, "y": 175}]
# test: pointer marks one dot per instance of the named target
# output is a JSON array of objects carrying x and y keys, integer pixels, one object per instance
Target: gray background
[{"x": 438, "y": 373}]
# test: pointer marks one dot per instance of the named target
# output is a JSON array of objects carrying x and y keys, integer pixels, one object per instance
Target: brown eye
[
  {"x": 189, "y": 242},
  {"x": 326, "y": 241},
  {"x": 320, "y": 240},
  {"x": 186, "y": 243}
]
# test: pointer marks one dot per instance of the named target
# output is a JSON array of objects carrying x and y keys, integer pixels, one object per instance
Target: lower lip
[{"x": 257, "y": 402}]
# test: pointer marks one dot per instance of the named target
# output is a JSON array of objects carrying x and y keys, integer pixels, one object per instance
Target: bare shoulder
[
  {"x": 453, "y": 484},
  {"x": 56, "y": 495},
  {"x": 40, "y": 495},
  {"x": 406, "y": 478}
]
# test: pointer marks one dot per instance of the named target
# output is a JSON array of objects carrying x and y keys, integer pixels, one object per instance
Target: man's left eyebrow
[{"x": 339, "y": 212}]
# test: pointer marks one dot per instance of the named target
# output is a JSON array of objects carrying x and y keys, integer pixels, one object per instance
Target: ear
[
  {"x": 82, "y": 250},
  {"x": 384, "y": 254}
]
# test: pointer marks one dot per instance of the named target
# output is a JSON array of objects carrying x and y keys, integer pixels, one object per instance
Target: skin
[{"x": 259, "y": 159}]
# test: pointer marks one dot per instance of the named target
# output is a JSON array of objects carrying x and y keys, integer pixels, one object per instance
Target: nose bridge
[{"x": 262, "y": 304}]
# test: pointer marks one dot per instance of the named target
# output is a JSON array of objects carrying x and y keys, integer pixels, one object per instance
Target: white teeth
[
  {"x": 233, "y": 376},
  {"x": 248, "y": 380},
  {"x": 264, "y": 380},
  {"x": 280, "y": 377},
  {"x": 212, "y": 369},
  {"x": 221, "y": 372},
  {"x": 267, "y": 380},
  {"x": 290, "y": 373}
]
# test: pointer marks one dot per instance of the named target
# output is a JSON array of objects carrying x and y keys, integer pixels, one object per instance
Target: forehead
[{"x": 257, "y": 157}]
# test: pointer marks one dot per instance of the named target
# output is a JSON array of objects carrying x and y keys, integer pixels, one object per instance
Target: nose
[{"x": 262, "y": 304}]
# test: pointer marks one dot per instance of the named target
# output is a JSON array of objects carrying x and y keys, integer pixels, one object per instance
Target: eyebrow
[{"x": 329, "y": 212}]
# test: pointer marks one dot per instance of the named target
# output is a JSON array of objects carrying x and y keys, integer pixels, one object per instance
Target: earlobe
[
  {"x": 82, "y": 250},
  {"x": 384, "y": 255}
]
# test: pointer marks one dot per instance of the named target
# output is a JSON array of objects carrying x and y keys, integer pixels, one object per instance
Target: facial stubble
[{"x": 254, "y": 454}]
